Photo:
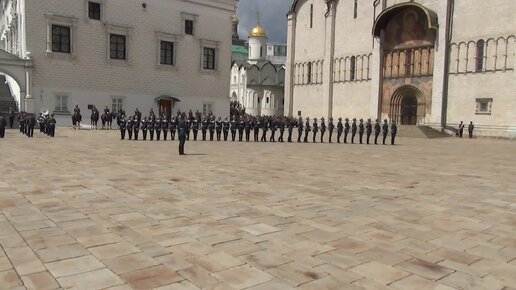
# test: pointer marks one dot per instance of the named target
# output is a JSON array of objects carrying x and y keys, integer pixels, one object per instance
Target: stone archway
[
  {"x": 20, "y": 70},
  {"x": 407, "y": 106}
]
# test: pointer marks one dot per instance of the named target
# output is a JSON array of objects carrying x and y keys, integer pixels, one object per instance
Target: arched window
[
  {"x": 355, "y": 9},
  {"x": 352, "y": 68},
  {"x": 479, "y": 63},
  {"x": 311, "y": 15},
  {"x": 267, "y": 100},
  {"x": 309, "y": 74}
]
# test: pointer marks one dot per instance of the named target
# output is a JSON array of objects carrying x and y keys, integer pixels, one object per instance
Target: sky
[{"x": 273, "y": 15}]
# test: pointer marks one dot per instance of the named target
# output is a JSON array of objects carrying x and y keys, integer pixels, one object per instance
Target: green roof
[{"x": 238, "y": 49}]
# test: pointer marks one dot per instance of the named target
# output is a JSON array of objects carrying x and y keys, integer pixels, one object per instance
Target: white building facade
[
  {"x": 258, "y": 83},
  {"x": 423, "y": 62},
  {"x": 167, "y": 55}
]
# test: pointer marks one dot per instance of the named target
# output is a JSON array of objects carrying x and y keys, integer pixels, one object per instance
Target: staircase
[{"x": 419, "y": 132}]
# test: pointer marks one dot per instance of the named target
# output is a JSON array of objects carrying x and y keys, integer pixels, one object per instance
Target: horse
[
  {"x": 107, "y": 120},
  {"x": 76, "y": 120},
  {"x": 94, "y": 119}
]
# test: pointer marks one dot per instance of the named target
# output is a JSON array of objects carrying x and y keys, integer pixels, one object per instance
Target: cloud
[{"x": 273, "y": 14}]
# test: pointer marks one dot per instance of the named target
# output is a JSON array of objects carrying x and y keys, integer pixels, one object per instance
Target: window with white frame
[
  {"x": 118, "y": 43},
  {"x": 117, "y": 104},
  {"x": 167, "y": 53},
  {"x": 189, "y": 23},
  {"x": 209, "y": 55},
  {"x": 484, "y": 106},
  {"x": 209, "y": 58},
  {"x": 61, "y": 103},
  {"x": 167, "y": 49},
  {"x": 61, "y": 35}
]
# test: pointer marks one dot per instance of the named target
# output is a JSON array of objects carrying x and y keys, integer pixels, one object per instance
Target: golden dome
[
  {"x": 258, "y": 31},
  {"x": 234, "y": 20}
]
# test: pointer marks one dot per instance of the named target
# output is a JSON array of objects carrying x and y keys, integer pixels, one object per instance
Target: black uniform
[
  {"x": 290, "y": 126},
  {"x": 369, "y": 130},
  {"x": 377, "y": 129},
  {"x": 330, "y": 129},
  {"x": 157, "y": 128},
  {"x": 353, "y": 131},
  {"x": 121, "y": 125},
  {"x": 394, "y": 131},
  {"x": 281, "y": 125},
  {"x": 181, "y": 129},
  {"x": 3, "y": 124},
  {"x": 218, "y": 129},
  {"x": 307, "y": 130},
  {"x": 129, "y": 127},
  {"x": 241, "y": 128},
  {"x": 471, "y": 127},
  {"x": 188, "y": 127},
  {"x": 299, "y": 130},
  {"x": 346, "y": 131},
  {"x": 144, "y": 129},
  {"x": 173, "y": 127},
  {"x": 164, "y": 128},
  {"x": 52, "y": 126},
  {"x": 315, "y": 130},
  {"x": 248, "y": 125},
  {"x": 225, "y": 129},
  {"x": 340, "y": 128},
  {"x": 211, "y": 128},
  {"x": 136, "y": 129},
  {"x": 204, "y": 127},
  {"x": 233, "y": 128},
  {"x": 256, "y": 128},
  {"x": 361, "y": 130},
  {"x": 150, "y": 125},
  {"x": 273, "y": 126},
  {"x": 385, "y": 128},
  {"x": 265, "y": 127},
  {"x": 323, "y": 130},
  {"x": 195, "y": 128},
  {"x": 11, "y": 118}
]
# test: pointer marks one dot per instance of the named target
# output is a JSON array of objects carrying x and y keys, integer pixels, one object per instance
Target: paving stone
[
  {"x": 62, "y": 252},
  {"x": 10, "y": 279},
  {"x": 378, "y": 272},
  {"x": 130, "y": 263},
  {"x": 99, "y": 240},
  {"x": 425, "y": 269},
  {"x": 183, "y": 285},
  {"x": 97, "y": 279},
  {"x": 415, "y": 282},
  {"x": 199, "y": 277},
  {"x": 259, "y": 229},
  {"x": 151, "y": 277},
  {"x": 74, "y": 266},
  {"x": 460, "y": 280},
  {"x": 243, "y": 276},
  {"x": 296, "y": 273},
  {"x": 217, "y": 262},
  {"x": 274, "y": 284},
  {"x": 40, "y": 281},
  {"x": 24, "y": 260},
  {"x": 113, "y": 250},
  {"x": 266, "y": 259}
]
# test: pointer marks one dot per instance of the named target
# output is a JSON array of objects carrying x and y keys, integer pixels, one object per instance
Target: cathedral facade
[{"x": 426, "y": 62}]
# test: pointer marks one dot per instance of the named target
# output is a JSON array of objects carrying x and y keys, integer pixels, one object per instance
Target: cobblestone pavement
[{"x": 87, "y": 211}]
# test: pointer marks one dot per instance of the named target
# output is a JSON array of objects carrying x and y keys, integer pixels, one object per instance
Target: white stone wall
[
  {"x": 91, "y": 78},
  {"x": 472, "y": 20}
]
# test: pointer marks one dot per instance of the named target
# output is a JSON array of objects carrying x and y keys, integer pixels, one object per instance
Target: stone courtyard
[{"x": 88, "y": 211}]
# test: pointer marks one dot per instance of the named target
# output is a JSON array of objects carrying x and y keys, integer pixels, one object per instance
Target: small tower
[
  {"x": 234, "y": 23},
  {"x": 257, "y": 43}
]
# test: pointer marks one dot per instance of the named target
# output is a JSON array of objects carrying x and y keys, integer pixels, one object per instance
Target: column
[
  {"x": 289, "y": 72},
  {"x": 28, "y": 100},
  {"x": 329, "y": 49}
]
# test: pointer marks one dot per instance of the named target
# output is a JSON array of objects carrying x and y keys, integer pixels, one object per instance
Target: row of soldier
[
  {"x": 27, "y": 121},
  {"x": 220, "y": 129}
]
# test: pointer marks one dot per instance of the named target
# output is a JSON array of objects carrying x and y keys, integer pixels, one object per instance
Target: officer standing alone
[{"x": 182, "y": 134}]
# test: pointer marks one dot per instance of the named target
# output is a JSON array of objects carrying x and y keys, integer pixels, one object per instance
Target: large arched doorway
[
  {"x": 18, "y": 74},
  {"x": 408, "y": 106}
]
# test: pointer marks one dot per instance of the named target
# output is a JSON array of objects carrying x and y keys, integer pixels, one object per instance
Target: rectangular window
[
  {"x": 167, "y": 53},
  {"x": 207, "y": 109},
  {"x": 116, "y": 104},
  {"x": 189, "y": 27},
  {"x": 61, "y": 39},
  {"x": 209, "y": 58},
  {"x": 484, "y": 106},
  {"x": 355, "y": 10},
  {"x": 479, "y": 65},
  {"x": 94, "y": 10},
  {"x": 408, "y": 63},
  {"x": 61, "y": 104},
  {"x": 117, "y": 46},
  {"x": 280, "y": 50}
]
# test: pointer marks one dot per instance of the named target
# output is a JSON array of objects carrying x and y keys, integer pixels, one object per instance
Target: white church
[{"x": 258, "y": 83}]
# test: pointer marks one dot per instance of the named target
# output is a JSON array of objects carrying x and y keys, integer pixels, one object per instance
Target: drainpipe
[{"x": 448, "y": 35}]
